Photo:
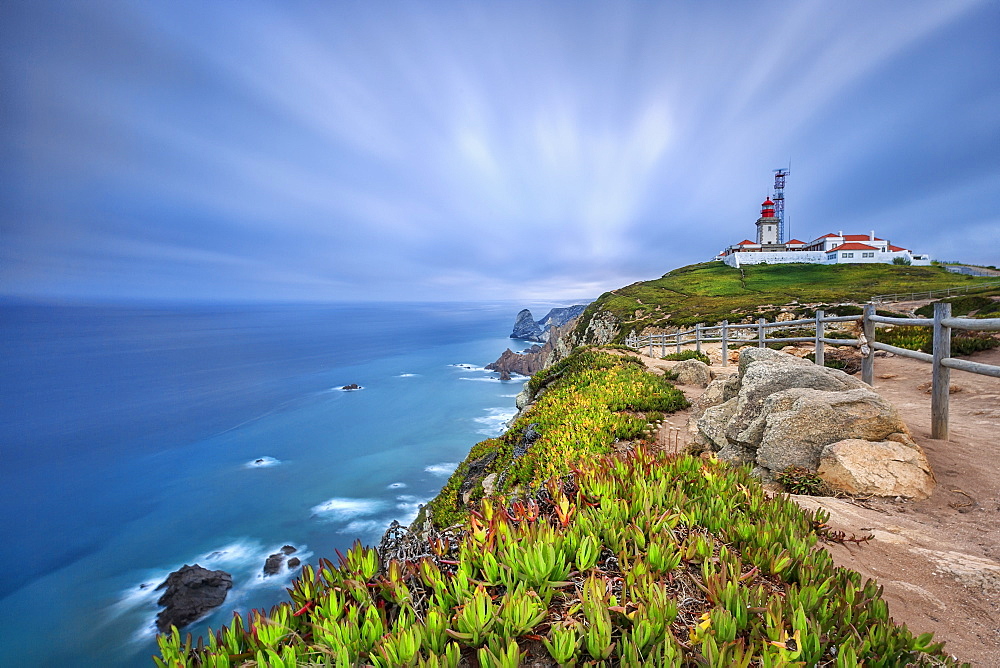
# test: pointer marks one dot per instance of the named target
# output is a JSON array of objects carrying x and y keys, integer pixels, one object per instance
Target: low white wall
[
  {"x": 812, "y": 257},
  {"x": 816, "y": 257}
]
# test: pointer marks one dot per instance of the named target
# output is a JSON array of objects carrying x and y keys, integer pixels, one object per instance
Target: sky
[{"x": 332, "y": 151}]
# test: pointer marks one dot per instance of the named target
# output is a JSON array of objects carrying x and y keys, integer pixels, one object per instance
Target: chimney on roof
[
  {"x": 872, "y": 236},
  {"x": 840, "y": 233}
]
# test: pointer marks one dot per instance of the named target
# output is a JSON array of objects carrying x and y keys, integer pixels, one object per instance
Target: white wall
[
  {"x": 818, "y": 257},
  {"x": 812, "y": 257}
]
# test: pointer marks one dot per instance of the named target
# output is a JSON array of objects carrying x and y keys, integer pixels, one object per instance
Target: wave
[
  {"x": 364, "y": 527},
  {"x": 443, "y": 469},
  {"x": 396, "y": 485},
  {"x": 339, "y": 508},
  {"x": 407, "y": 375},
  {"x": 469, "y": 367},
  {"x": 262, "y": 462},
  {"x": 495, "y": 421}
]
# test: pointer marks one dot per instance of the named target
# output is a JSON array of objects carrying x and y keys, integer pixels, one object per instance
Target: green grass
[
  {"x": 592, "y": 399},
  {"x": 964, "y": 305},
  {"x": 711, "y": 292},
  {"x": 688, "y": 355},
  {"x": 922, "y": 339}
]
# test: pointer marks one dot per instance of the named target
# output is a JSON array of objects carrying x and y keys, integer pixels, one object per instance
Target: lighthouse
[{"x": 767, "y": 224}]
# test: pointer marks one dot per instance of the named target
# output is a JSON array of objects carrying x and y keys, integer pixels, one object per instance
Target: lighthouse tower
[{"x": 767, "y": 224}]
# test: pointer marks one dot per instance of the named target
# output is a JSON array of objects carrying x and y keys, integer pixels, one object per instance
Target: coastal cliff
[
  {"x": 672, "y": 559},
  {"x": 536, "y": 358}
]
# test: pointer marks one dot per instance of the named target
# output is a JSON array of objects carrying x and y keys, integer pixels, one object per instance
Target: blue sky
[{"x": 477, "y": 150}]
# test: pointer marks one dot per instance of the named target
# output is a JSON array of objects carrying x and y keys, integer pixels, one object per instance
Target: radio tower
[{"x": 779, "y": 201}]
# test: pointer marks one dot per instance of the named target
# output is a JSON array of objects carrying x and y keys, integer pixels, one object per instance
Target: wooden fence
[{"x": 756, "y": 333}]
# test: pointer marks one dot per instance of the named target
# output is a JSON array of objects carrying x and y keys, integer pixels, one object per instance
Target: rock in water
[
  {"x": 273, "y": 563},
  {"x": 525, "y": 364},
  {"x": 526, "y": 329},
  {"x": 191, "y": 592}
]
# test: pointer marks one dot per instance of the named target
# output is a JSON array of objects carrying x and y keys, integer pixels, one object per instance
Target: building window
[
  {"x": 868, "y": 255},
  {"x": 847, "y": 255}
]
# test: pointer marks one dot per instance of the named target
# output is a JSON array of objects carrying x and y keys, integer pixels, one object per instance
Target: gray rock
[
  {"x": 713, "y": 395},
  {"x": 693, "y": 372},
  {"x": 800, "y": 422},
  {"x": 526, "y": 329},
  {"x": 273, "y": 563},
  {"x": 523, "y": 398},
  {"x": 191, "y": 592},
  {"x": 476, "y": 470},
  {"x": 882, "y": 468},
  {"x": 714, "y": 422},
  {"x": 773, "y": 372}
]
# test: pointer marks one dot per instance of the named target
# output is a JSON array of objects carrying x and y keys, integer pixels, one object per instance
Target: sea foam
[{"x": 345, "y": 509}]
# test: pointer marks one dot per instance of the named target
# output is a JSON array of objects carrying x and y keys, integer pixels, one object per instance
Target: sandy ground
[{"x": 938, "y": 559}]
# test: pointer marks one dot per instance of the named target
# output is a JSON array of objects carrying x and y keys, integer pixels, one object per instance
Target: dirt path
[{"x": 938, "y": 559}]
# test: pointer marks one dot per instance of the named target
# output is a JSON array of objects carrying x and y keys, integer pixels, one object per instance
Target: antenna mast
[{"x": 779, "y": 201}]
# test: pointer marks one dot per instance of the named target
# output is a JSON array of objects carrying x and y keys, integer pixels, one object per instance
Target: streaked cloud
[{"x": 463, "y": 150}]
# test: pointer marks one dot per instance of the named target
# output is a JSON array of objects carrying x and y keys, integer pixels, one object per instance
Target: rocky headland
[{"x": 526, "y": 328}]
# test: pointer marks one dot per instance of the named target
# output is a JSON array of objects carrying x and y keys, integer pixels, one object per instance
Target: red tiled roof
[
  {"x": 852, "y": 246},
  {"x": 794, "y": 241},
  {"x": 860, "y": 237},
  {"x": 896, "y": 249},
  {"x": 746, "y": 242},
  {"x": 831, "y": 234}
]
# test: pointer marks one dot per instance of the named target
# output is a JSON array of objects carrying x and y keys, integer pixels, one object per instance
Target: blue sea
[{"x": 136, "y": 439}]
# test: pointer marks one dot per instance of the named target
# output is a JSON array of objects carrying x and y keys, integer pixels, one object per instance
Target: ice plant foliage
[{"x": 635, "y": 559}]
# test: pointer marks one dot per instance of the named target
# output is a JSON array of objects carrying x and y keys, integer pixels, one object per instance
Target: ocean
[{"x": 136, "y": 439}]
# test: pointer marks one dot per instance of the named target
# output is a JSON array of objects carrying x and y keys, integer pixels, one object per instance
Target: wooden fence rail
[{"x": 756, "y": 333}]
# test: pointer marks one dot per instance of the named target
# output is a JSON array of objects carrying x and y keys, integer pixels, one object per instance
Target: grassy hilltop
[{"x": 712, "y": 292}]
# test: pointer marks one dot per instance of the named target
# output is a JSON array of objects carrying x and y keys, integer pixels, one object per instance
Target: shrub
[
  {"x": 922, "y": 338},
  {"x": 828, "y": 361},
  {"x": 798, "y": 480},
  {"x": 688, "y": 355},
  {"x": 901, "y": 260},
  {"x": 959, "y": 305}
]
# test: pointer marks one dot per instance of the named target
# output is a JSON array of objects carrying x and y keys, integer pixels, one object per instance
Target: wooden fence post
[
  {"x": 663, "y": 345},
  {"x": 725, "y": 343},
  {"x": 941, "y": 375},
  {"x": 820, "y": 332},
  {"x": 677, "y": 336},
  {"x": 697, "y": 337},
  {"x": 760, "y": 332},
  {"x": 650, "y": 344},
  {"x": 867, "y": 348}
]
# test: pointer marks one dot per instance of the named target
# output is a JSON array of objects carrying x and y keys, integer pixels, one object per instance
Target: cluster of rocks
[
  {"x": 192, "y": 591},
  {"x": 272, "y": 566},
  {"x": 781, "y": 411}
]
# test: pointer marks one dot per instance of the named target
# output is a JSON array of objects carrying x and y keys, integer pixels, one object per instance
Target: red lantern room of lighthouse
[{"x": 767, "y": 224}]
